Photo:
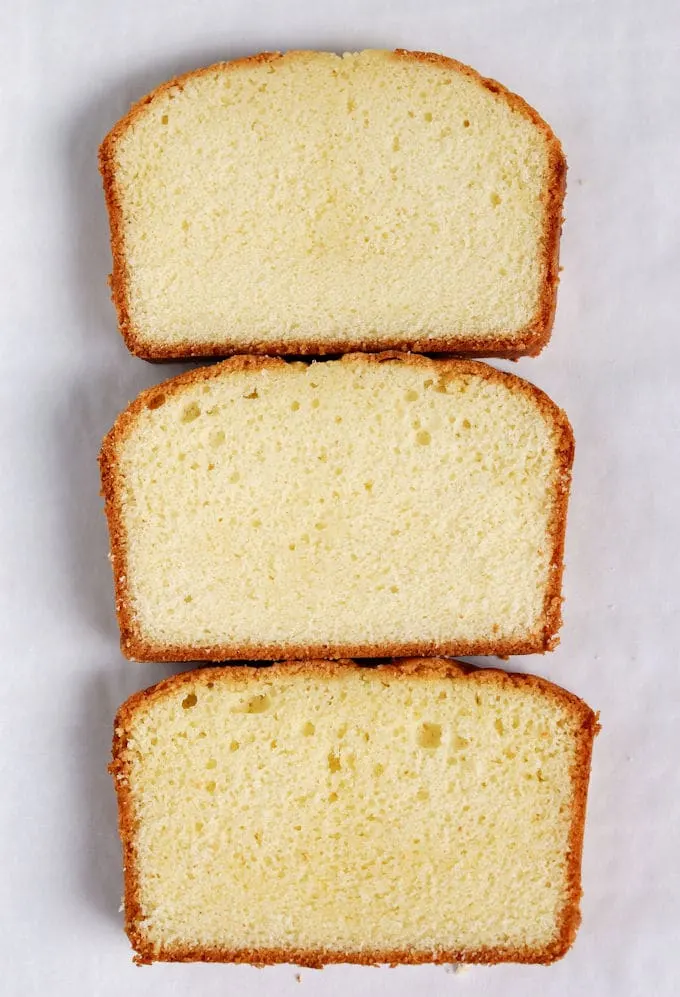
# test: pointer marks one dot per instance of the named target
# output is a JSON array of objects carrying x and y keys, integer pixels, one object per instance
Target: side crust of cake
[
  {"x": 136, "y": 646},
  {"x": 586, "y": 721},
  {"x": 527, "y": 342}
]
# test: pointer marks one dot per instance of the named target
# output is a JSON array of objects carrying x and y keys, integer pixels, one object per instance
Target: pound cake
[
  {"x": 308, "y": 203},
  {"x": 315, "y": 812},
  {"x": 365, "y": 507}
]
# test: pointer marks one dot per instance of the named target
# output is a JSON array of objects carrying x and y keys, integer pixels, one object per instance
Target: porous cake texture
[
  {"x": 372, "y": 506},
  {"x": 309, "y": 203},
  {"x": 320, "y": 812}
]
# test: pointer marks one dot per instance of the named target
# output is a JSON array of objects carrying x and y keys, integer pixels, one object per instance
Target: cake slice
[
  {"x": 308, "y": 203},
  {"x": 373, "y": 506},
  {"x": 319, "y": 812}
]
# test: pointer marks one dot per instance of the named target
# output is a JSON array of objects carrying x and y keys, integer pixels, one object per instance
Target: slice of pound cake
[
  {"x": 308, "y": 203},
  {"x": 319, "y": 812},
  {"x": 372, "y": 506}
]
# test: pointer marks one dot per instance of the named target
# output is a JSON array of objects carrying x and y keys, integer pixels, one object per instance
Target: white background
[{"x": 607, "y": 77}]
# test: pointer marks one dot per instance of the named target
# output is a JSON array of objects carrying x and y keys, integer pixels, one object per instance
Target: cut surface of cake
[
  {"x": 373, "y": 506},
  {"x": 308, "y": 203},
  {"x": 321, "y": 812}
]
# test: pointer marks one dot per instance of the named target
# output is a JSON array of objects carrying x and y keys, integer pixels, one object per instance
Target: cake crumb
[
  {"x": 207, "y": 312},
  {"x": 456, "y": 968}
]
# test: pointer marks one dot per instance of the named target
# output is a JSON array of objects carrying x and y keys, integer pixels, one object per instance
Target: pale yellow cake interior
[
  {"x": 322, "y": 198},
  {"x": 339, "y": 503},
  {"x": 356, "y": 813}
]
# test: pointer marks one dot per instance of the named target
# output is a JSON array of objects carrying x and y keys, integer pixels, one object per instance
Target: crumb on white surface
[{"x": 457, "y": 968}]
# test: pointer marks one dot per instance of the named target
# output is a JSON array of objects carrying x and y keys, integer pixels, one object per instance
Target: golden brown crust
[
  {"x": 586, "y": 722},
  {"x": 525, "y": 342},
  {"x": 136, "y": 647}
]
